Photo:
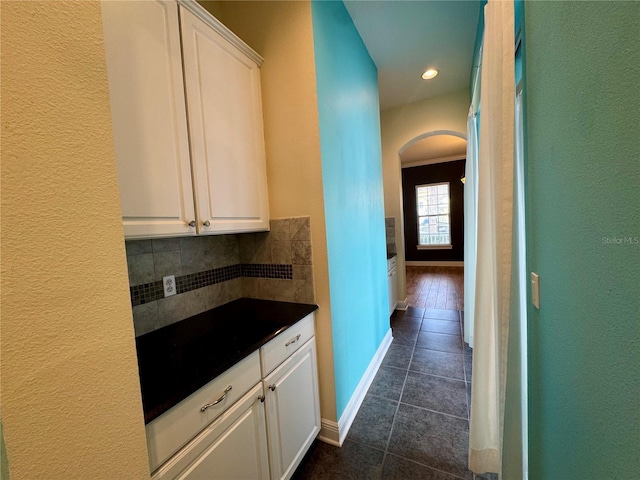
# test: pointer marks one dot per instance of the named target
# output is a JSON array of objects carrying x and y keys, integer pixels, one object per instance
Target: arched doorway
[
  {"x": 437, "y": 145},
  {"x": 427, "y": 160}
]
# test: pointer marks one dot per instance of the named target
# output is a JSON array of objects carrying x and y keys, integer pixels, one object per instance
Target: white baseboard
[
  {"x": 417, "y": 263},
  {"x": 403, "y": 305},
  {"x": 329, "y": 432},
  {"x": 335, "y": 433}
]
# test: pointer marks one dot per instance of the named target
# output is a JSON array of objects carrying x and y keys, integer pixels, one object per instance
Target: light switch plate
[
  {"x": 535, "y": 290},
  {"x": 169, "y": 285}
]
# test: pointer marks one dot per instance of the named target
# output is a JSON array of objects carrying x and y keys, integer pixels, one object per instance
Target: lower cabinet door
[
  {"x": 293, "y": 410},
  {"x": 234, "y": 447},
  {"x": 393, "y": 293}
]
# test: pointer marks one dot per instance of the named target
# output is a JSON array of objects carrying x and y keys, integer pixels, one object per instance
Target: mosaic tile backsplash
[{"x": 213, "y": 270}]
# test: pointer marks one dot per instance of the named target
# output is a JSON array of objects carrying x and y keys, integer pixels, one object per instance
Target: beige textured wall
[
  {"x": 400, "y": 125},
  {"x": 282, "y": 33},
  {"x": 71, "y": 401}
]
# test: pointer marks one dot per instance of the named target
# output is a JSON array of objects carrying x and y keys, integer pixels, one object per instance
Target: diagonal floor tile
[
  {"x": 436, "y": 393},
  {"x": 440, "y": 342},
  {"x": 398, "y": 356},
  {"x": 410, "y": 312},
  {"x": 405, "y": 335},
  {"x": 432, "y": 439},
  {"x": 433, "y": 362},
  {"x": 388, "y": 383},
  {"x": 372, "y": 424},
  {"x": 422, "y": 444},
  {"x": 353, "y": 461},
  {"x": 440, "y": 326},
  {"x": 403, "y": 321},
  {"x": 442, "y": 314},
  {"x": 468, "y": 367},
  {"x": 396, "y": 468}
]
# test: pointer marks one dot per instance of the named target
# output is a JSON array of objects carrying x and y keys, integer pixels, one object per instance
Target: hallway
[
  {"x": 414, "y": 420},
  {"x": 436, "y": 287}
]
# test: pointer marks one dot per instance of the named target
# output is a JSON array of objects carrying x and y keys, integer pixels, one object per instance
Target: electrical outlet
[
  {"x": 169, "y": 284},
  {"x": 535, "y": 290}
]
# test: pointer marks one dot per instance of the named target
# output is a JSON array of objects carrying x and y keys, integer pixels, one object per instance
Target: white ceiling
[{"x": 404, "y": 38}]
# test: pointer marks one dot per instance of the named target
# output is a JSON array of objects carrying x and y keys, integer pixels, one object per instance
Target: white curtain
[
  {"x": 494, "y": 238},
  {"x": 470, "y": 224}
]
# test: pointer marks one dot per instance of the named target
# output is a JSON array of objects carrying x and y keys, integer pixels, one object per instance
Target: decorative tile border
[
  {"x": 145, "y": 293},
  {"x": 269, "y": 270},
  {"x": 186, "y": 283},
  {"x": 150, "y": 292}
]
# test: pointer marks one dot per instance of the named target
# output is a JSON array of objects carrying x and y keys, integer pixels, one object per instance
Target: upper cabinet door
[
  {"x": 226, "y": 132},
  {"x": 142, "y": 43}
]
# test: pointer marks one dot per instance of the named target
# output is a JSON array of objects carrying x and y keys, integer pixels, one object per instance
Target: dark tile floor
[{"x": 414, "y": 421}]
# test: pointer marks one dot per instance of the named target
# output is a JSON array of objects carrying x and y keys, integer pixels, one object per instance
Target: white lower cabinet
[
  {"x": 392, "y": 277},
  {"x": 234, "y": 447},
  {"x": 293, "y": 410},
  {"x": 219, "y": 433}
]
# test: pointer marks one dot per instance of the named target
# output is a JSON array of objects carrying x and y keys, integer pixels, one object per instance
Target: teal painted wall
[
  {"x": 582, "y": 71},
  {"x": 347, "y": 83},
  {"x": 475, "y": 65}
]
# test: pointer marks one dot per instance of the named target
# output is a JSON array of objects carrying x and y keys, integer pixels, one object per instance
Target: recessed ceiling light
[{"x": 429, "y": 74}]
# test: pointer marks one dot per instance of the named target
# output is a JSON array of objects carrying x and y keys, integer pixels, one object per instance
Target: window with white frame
[{"x": 434, "y": 215}]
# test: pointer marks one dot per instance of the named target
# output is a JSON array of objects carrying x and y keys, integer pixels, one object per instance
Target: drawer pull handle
[
  {"x": 261, "y": 398},
  {"x": 293, "y": 340},
  {"x": 222, "y": 397},
  {"x": 272, "y": 387}
]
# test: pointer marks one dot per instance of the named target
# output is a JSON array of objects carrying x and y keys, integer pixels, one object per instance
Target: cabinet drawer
[
  {"x": 280, "y": 348},
  {"x": 391, "y": 264},
  {"x": 234, "y": 446},
  {"x": 170, "y": 431}
]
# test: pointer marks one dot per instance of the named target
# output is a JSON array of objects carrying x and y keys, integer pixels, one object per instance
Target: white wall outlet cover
[
  {"x": 535, "y": 290},
  {"x": 169, "y": 284}
]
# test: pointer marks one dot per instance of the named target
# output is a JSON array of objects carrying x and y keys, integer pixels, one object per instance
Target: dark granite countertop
[{"x": 178, "y": 359}]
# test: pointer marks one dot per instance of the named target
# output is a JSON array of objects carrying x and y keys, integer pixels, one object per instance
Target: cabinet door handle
[
  {"x": 272, "y": 387},
  {"x": 293, "y": 340},
  {"x": 222, "y": 397},
  {"x": 192, "y": 223},
  {"x": 206, "y": 223},
  {"x": 261, "y": 398}
]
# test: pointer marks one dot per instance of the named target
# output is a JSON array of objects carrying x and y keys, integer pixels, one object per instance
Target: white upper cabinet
[
  {"x": 193, "y": 165},
  {"x": 142, "y": 43},
  {"x": 225, "y": 128}
]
